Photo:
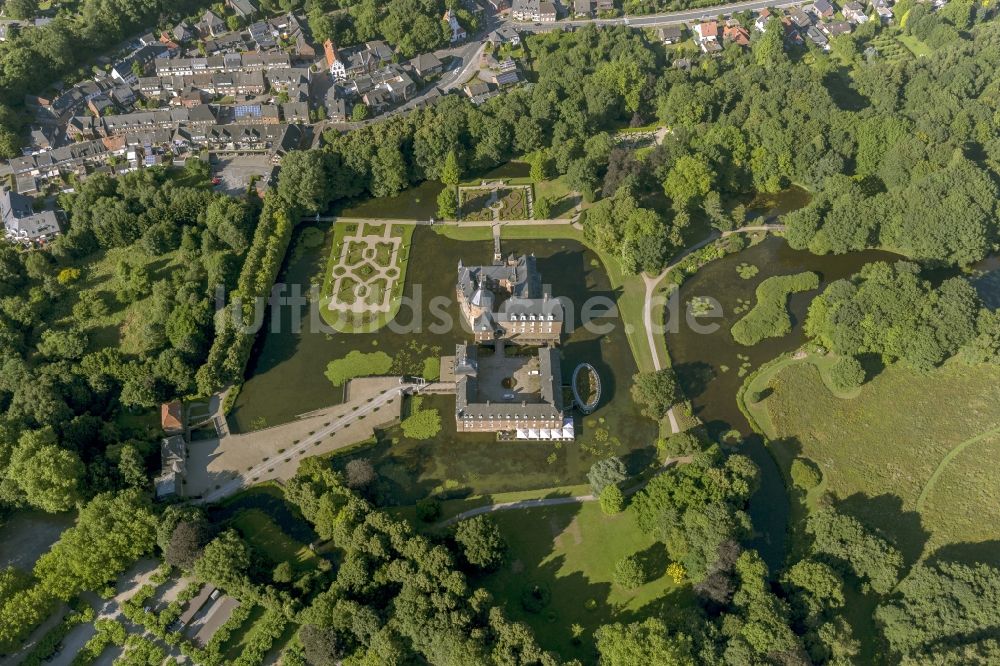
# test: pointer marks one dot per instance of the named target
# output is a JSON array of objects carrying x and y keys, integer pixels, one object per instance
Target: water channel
[{"x": 712, "y": 366}]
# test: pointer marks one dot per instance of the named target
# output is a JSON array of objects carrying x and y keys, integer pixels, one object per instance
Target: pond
[
  {"x": 285, "y": 375},
  {"x": 711, "y": 366},
  {"x": 419, "y": 202}
]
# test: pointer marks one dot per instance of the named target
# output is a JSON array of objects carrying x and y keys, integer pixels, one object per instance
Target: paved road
[
  {"x": 652, "y": 282},
  {"x": 236, "y": 484},
  {"x": 666, "y": 18}
]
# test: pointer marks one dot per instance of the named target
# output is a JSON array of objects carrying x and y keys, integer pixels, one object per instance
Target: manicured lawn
[
  {"x": 560, "y": 194},
  {"x": 571, "y": 550},
  {"x": 258, "y": 529},
  {"x": 456, "y": 232},
  {"x": 878, "y": 450}
]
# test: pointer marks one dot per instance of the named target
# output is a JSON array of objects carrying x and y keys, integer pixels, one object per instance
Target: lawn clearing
[
  {"x": 571, "y": 551},
  {"x": 258, "y": 528},
  {"x": 878, "y": 450}
]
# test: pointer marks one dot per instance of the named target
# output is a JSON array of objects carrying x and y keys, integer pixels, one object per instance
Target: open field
[
  {"x": 879, "y": 450},
  {"x": 571, "y": 551}
]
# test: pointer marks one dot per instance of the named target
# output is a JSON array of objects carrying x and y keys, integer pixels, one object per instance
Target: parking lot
[{"x": 236, "y": 173}]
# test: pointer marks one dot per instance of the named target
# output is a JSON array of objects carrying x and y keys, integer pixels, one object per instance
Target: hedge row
[{"x": 234, "y": 336}]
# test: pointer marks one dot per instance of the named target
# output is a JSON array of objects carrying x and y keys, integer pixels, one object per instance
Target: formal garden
[
  {"x": 502, "y": 202},
  {"x": 365, "y": 275}
]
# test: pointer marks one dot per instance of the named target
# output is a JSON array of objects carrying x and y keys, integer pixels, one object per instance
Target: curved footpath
[
  {"x": 653, "y": 282},
  {"x": 951, "y": 455}
]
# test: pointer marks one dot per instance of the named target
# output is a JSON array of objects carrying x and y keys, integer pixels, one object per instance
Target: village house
[
  {"x": 884, "y": 10},
  {"x": 22, "y": 224},
  {"x": 211, "y": 24},
  {"x": 336, "y": 107},
  {"x": 583, "y": 8},
  {"x": 479, "y": 91},
  {"x": 504, "y": 36},
  {"x": 836, "y": 28},
  {"x": 671, "y": 34},
  {"x": 737, "y": 34},
  {"x": 799, "y": 18},
  {"x": 425, "y": 65},
  {"x": 182, "y": 32},
  {"x": 763, "y": 18},
  {"x": 245, "y": 9},
  {"x": 540, "y": 11},
  {"x": 821, "y": 9},
  {"x": 295, "y": 112},
  {"x": 351, "y": 63},
  {"x": 855, "y": 13},
  {"x": 605, "y": 7},
  {"x": 706, "y": 35},
  {"x": 458, "y": 33}
]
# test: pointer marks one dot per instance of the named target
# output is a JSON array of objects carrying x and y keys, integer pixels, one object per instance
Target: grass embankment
[
  {"x": 367, "y": 322},
  {"x": 895, "y": 441},
  {"x": 769, "y": 317},
  {"x": 570, "y": 551}
]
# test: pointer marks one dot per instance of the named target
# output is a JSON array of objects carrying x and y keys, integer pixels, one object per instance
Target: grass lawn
[
  {"x": 571, "y": 550},
  {"x": 367, "y": 323},
  {"x": 879, "y": 450},
  {"x": 258, "y": 529},
  {"x": 234, "y": 647},
  {"x": 560, "y": 194},
  {"x": 917, "y": 47},
  {"x": 457, "y": 232},
  {"x": 120, "y": 325}
]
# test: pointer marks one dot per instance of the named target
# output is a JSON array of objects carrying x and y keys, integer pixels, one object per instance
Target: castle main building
[
  {"x": 507, "y": 301},
  {"x": 510, "y": 389}
]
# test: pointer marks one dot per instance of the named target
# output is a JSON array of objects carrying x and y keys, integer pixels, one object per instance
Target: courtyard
[{"x": 509, "y": 376}]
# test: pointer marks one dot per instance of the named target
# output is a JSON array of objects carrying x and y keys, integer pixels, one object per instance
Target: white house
[{"x": 457, "y": 31}]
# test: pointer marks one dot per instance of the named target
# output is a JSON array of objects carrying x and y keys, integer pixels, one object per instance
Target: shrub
[
  {"x": 629, "y": 573},
  {"x": 656, "y": 391},
  {"x": 607, "y": 472},
  {"x": 769, "y": 317},
  {"x": 357, "y": 364},
  {"x": 805, "y": 474},
  {"x": 847, "y": 374},
  {"x": 423, "y": 424},
  {"x": 482, "y": 543},
  {"x": 612, "y": 500},
  {"x": 681, "y": 444},
  {"x": 535, "y": 597},
  {"x": 428, "y": 509}
]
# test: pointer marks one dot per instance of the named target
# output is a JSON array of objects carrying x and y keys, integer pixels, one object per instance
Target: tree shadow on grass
[
  {"x": 654, "y": 561},
  {"x": 984, "y": 552},
  {"x": 885, "y": 513}
]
